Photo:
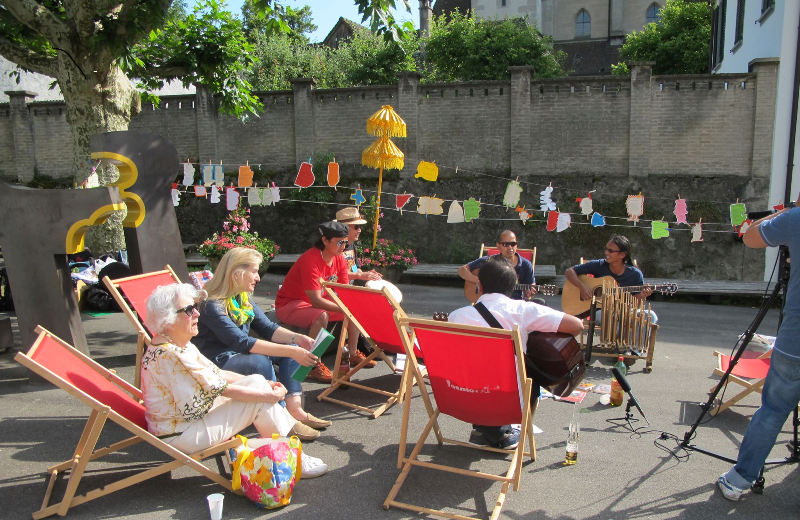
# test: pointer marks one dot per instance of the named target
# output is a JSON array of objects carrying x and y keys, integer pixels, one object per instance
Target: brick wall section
[
  {"x": 766, "y": 71},
  {"x": 6, "y": 143},
  {"x": 567, "y": 126},
  {"x": 23, "y": 135},
  {"x": 53, "y": 150},
  {"x": 580, "y": 126}
]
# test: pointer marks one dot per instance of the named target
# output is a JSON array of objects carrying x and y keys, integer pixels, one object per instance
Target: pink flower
[
  {"x": 239, "y": 240},
  {"x": 414, "y": 261},
  {"x": 235, "y": 229},
  {"x": 381, "y": 214},
  {"x": 379, "y": 227},
  {"x": 366, "y": 251}
]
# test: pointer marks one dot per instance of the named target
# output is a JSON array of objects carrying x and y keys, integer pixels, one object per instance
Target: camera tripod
[{"x": 780, "y": 286}]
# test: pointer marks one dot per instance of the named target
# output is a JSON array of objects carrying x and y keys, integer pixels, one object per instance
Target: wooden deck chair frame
[
  {"x": 85, "y": 451},
  {"x": 750, "y": 385},
  {"x": 143, "y": 335},
  {"x": 339, "y": 379},
  {"x": 408, "y": 327},
  {"x": 487, "y": 250}
]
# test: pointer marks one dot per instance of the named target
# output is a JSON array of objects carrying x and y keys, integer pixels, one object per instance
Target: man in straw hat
[{"x": 353, "y": 219}]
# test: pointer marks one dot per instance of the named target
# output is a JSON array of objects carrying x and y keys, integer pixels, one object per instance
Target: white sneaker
[
  {"x": 312, "y": 466},
  {"x": 729, "y": 491}
]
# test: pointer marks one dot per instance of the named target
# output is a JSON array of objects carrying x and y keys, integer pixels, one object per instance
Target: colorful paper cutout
[
  {"x": 305, "y": 176},
  {"x": 358, "y": 197},
  {"x": 275, "y": 197},
  {"x": 745, "y": 226},
  {"x": 402, "y": 200},
  {"x": 215, "y": 194},
  {"x": 598, "y": 220},
  {"x": 245, "y": 176},
  {"x": 427, "y": 170},
  {"x": 188, "y": 174},
  {"x": 455, "y": 214},
  {"x": 738, "y": 213},
  {"x": 659, "y": 229},
  {"x": 552, "y": 220},
  {"x": 176, "y": 195},
  {"x": 697, "y": 232},
  {"x": 563, "y": 223},
  {"x": 585, "y": 204},
  {"x": 231, "y": 199},
  {"x": 431, "y": 206},
  {"x": 681, "y": 211},
  {"x": 472, "y": 209},
  {"x": 545, "y": 202},
  {"x": 213, "y": 174},
  {"x": 635, "y": 207},
  {"x": 513, "y": 192},
  {"x": 254, "y": 196},
  {"x": 200, "y": 191},
  {"x": 523, "y": 214},
  {"x": 333, "y": 174}
]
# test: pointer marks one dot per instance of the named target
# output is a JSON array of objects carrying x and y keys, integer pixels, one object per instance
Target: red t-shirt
[{"x": 305, "y": 274}]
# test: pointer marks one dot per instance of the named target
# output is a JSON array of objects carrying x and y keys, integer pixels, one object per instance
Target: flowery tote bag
[{"x": 267, "y": 474}]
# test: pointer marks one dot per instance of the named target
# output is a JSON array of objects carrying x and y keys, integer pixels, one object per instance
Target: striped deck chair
[
  {"x": 527, "y": 254},
  {"x": 372, "y": 311},
  {"x": 131, "y": 294},
  {"x": 467, "y": 388},
  {"x": 749, "y": 373},
  {"x": 109, "y": 397}
]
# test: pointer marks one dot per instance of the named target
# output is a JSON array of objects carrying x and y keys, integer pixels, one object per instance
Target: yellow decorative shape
[
  {"x": 383, "y": 153},
  {"x": 128, "y": 174},
  {"x": 77, "y": 231},
  {"x": 386, "y": 122},
  {"x": 428, "y": 171}
]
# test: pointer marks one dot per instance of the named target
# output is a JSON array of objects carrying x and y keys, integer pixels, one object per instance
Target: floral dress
[{"x": 179, "y": 386}]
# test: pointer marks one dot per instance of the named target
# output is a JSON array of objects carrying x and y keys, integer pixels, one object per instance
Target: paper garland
[
  {"x": 563, "y": 223},
  {"x": 585, "y": 205},
  {"x": 635, "y": 207},
  {"x": 214, "y": 194},
  {"x": 545, "y": 201},
  {"x": 472, "y": 209},
  {"x": 213, "y": 174},
  {"x": 430, "y": 206},
  {"x": 598, "y": 220},
  {"x": 188, "y": 174},
  {"x": 200, "y": 191},
  {"x": 274, "y": 198},
  {"x": 659, "y": 229},
  {"x": 523, "y": 214},
  {"x": 455, "y": 214},
  {"x": 552, "y": 220},
  {"x": 358, "y": 197},
  {"x": 697, "y": 232},
  {"x": 176, "y": 195},
  {"x": 427, "y": 170},
  {"x": 513, "y": 192},
  {"x": 681, "y": 211},
  {"x": 254, "y": 196},
  {"x": 744, "y": 227},
  {"x": 402, "y": 200},
  {"x": 231, "y": 199},
  {"x": 305, "y": 176},
  {"x": 333, "y": 174}
]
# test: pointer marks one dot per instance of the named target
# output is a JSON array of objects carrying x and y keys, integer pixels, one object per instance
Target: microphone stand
[{"x": 629, "y": 419}]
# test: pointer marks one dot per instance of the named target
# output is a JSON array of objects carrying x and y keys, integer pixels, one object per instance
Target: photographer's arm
[{"x": 752, "y": 237}]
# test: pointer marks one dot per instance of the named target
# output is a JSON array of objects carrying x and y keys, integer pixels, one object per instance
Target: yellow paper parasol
[
  {"x": 386, "y": 122},
  {"x": 383, "y": 153}
]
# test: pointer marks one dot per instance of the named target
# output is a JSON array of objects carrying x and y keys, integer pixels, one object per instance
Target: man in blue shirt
[
  {"x": 507, "y": 244},
  {"x": 781, "y": 392}
]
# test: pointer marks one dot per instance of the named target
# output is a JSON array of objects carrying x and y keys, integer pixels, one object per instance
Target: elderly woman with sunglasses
[
  {"x": 226, "y": 320},
  {"x": 189, "y": 402}
]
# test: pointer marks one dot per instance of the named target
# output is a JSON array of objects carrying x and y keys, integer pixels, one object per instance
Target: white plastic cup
[
  {"x": 605, "y": 399},
  {"x": 215, "y": 505}
]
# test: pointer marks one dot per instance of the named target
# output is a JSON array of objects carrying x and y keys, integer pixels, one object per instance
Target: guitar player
[
  {"x": 496, "y": 282},
  {"x": 617, "y": 264},
  {"x": 507, "y": 245}
]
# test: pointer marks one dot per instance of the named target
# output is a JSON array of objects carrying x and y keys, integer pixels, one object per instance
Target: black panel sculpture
[
  {"x": 39, "y": 228},
  {"x": 148, "y": 165}
]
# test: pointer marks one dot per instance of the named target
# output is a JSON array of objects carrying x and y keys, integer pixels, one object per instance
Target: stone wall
[{"x": 706, "y": 138}]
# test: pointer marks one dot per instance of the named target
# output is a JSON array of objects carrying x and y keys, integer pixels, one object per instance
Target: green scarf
[{"x": 239, "y": 309}]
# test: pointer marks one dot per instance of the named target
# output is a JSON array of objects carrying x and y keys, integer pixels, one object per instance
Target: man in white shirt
[{"x": 496, "y": 281}]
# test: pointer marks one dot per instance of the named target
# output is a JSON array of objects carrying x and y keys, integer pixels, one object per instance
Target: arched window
[
  {"x": 583, "y": 24},
  {"x": 653, "y": 13}
]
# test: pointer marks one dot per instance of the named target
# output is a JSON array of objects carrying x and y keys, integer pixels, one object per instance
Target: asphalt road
[{"x": 619, "y": 475}]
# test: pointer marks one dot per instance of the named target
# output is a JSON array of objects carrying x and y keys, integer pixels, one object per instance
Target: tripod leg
[{"x": 758, "y": 485}]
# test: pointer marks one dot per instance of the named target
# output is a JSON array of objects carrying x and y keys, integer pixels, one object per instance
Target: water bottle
[
  {"x": 617, "y": 393},
  {"x": 571, "y": 456},
  {"x": 344, "y": 366}
]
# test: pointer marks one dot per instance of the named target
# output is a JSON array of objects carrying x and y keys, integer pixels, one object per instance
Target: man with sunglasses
[
  {"x": 507, "y": 245},
  {"x": 354, "y": 221},
  {"x": 301, "y": 301}
]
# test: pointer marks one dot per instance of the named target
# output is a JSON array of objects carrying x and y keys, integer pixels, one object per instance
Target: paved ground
[{"x": 618, "y": 475}]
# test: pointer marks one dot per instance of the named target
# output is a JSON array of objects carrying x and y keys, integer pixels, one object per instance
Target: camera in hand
[{"x": 756, "y": 215}]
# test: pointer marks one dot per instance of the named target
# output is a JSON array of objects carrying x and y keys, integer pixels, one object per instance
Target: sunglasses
[
  {"x": 357, "y": 226},
  {"x": 189, "y": 309},
  {"x": 613, "y": 250},
  {"x": 508, "y": 244},
  {"x": 341, "y": 243}
]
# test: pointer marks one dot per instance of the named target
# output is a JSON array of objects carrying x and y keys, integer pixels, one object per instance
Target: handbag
[{"x": 267, "y": 474}]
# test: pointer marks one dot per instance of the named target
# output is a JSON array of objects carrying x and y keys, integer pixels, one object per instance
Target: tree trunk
[{"x": 97, "y": 102}]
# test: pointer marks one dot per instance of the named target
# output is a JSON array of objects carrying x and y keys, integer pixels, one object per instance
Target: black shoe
[{"x": 478, "y": 439}]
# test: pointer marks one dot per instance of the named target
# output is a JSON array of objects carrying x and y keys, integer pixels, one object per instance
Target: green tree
[
  {"x": 679, "y": 42},
  {"x": 299, "y": 21},
  {"x": 462, "y": 48}
]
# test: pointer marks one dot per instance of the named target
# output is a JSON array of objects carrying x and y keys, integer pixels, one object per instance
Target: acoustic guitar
[
  {"x": 471, "y": 289},
  {"x": 571, "y": 302}
]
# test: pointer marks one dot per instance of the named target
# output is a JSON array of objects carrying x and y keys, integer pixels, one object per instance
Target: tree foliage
[
  {"x": 462, "y": 48},
  {"x": 679, "y": 42},
  {"x": 298, "y": 21}
]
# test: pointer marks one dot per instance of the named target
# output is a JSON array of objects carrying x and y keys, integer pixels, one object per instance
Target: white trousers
[{"x": 228, "y": 417}]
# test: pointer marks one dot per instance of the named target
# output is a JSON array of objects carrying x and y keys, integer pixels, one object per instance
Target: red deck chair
[
  {"x": 466, "y": 388},
  {"x": 136, "y": 290},
  {"x": 371, "y": 310},
  {"x": 528, "y": 254},
  {"x": 749, "y": 373},
  {"x": 109, "y": 397}
]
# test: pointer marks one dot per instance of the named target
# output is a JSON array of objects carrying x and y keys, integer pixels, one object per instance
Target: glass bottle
[
  {"x": 571, "y": 456},
  {"x": 617, "y": 394}
]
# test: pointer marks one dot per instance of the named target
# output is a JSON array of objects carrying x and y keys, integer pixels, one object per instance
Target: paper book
[
  {"x": 585, "y": 387},
  {"x": 321, "y": 344},
  {"x": 602, "y": 389},
  {"x": 575, "y": 397}
]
